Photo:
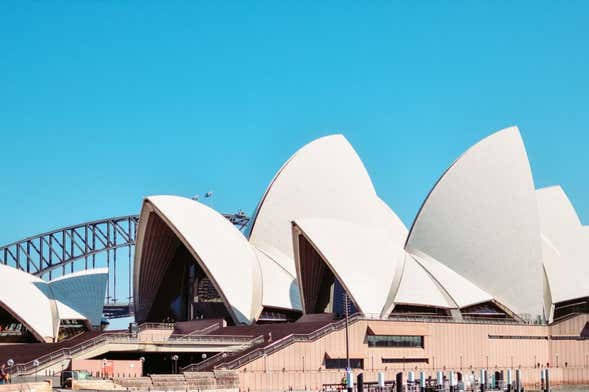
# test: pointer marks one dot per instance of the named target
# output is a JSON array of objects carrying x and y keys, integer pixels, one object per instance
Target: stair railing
[
  {"x": 286, "y": 341},
  {"x": 108, "y": 338}
]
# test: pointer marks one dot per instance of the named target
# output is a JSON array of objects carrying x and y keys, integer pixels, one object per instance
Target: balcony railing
[{"x": 159, "y": 326}]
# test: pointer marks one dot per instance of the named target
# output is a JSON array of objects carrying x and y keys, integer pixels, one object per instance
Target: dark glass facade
[
  {"x": 394, "y": 341},
  {"x": 187, "y": 293},
  {"x": 12, "y": 330},
  {"x": 405, "y": 360},
  {"x": 566, "y": 308},
  {"x": 342, "y": 363},
  {"x": 70, "y": 328},
  {"x": 323, "y": 292}
]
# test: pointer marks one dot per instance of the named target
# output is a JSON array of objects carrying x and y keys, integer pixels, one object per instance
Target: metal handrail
[
  {"x": 145, "y": 326},
  {"x": 210, "y": 338},
  {"x": 206, "y": 330},
  {"x": 23, "y": 368},
  {"x": 448, "y": 319},
  {"x": 197, "y": 367},
  {"x": 289, "y": 339},
  {"x": 469, "y": 320}
]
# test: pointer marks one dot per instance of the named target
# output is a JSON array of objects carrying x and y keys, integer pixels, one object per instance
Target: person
[{"x": 2, "y": 374}]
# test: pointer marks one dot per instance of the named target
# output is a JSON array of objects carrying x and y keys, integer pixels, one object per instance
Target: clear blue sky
[{"x": 105, "y": 102}]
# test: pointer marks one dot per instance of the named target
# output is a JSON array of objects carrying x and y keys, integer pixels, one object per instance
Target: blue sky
[{"x": 103, "y": 103}]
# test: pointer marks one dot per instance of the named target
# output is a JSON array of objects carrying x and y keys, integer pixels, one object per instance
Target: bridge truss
[{"x": 103, "y": 243}]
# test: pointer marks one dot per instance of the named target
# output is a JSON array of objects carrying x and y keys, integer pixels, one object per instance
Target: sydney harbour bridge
[{"x": 103, "y": 243}]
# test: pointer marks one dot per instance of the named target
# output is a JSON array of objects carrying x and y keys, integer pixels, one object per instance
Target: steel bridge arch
[{"x": 61, "y": 250}]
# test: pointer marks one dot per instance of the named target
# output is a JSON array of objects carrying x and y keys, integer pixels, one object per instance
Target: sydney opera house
[
  {"x": 492, "y": 273},
  {"x": 484, "y": 245}
]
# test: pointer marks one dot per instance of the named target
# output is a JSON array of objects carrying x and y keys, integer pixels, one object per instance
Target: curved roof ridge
[
  {"x": 554, "y": 197},
  {"x": 91, "y": 271},
  {"x": 343, "y": 243},
  {"x": 449, "y": 168},
  {"x": 563, "y": 243},
  {"x": 242, "y": 295},
  {"x": 436, "y": 281},
  {"x": 279, "y": 288},
  {"x": 481, "y": 218},
  {"x": 451, "y": 281},
  {"x": 81, "y": 295},
  {"x": 254, "y": 217},
  {"x": 418, "y": 288},
  {"x": 324, "y": 179},
  {"x": 278, "y": 265},
  {"x": 29, "y": 299}
]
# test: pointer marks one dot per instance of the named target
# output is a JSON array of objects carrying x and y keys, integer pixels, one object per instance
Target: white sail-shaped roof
[
  {"x": 279, "y": 287},
  {"x": 393, "y": 224},
  {"x": 364, "y": 258},
  {"x": 552, "y": 261},
  {"x": 28, "y": 299},
  {"x": 481, "y": 220},
  {"x": 40, "y": 305},
  {"x": 462, "y": 292},
  {"x": 419, "y": 288},
  {"x": 565, "y": 245},
  {"x": 81, "y": 295},
  {"x": 220, "y": 249},
  {"x": 324, "y": 179}
]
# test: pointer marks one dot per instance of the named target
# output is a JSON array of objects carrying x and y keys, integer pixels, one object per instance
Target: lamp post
[
  {"x": 142, "y": 360},
  {"x": 10, "y": 364},
  {"x": 557, "y": 360},
  {"x": 347, "y": 333},
  {"x": 348, "y": 368},
  {"x": 36, "y": 365},
  {"x": 175, "y": 366}
]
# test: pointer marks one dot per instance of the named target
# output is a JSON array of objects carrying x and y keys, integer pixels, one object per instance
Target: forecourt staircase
[{"x": 36, "y": 358}]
